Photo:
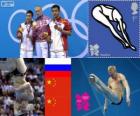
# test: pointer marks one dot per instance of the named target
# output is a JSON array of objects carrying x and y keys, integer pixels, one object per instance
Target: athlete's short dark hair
[
  {"x": 56, "y": 6},
  {"x": 30, "y": 12}
]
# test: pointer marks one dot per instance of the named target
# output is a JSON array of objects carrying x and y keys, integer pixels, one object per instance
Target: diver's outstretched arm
[{"x": 127, "y": 88}]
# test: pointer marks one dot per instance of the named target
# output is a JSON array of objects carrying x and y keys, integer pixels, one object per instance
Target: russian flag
[{"x": 57, "y": 87}]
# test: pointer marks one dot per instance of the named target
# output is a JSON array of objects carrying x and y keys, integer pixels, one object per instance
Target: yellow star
[
  {"x": 49, "y": 82},
  {"x": 49, "y": 101}
]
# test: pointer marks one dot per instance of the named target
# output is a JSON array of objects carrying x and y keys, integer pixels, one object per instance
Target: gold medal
[{"x": 20, "y": 29}]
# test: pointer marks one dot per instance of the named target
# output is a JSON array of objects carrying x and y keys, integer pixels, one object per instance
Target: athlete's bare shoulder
[{"x": 121, "y": 76}]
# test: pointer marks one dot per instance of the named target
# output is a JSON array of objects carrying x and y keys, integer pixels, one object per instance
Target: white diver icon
[{"x": 106, "y": 14}]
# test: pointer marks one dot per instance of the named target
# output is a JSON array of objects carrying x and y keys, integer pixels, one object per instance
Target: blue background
[
  {"x": 9, "y": 48},
  {"x": 81, "y": 68},
  {"x": 102, "y": 35}
]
